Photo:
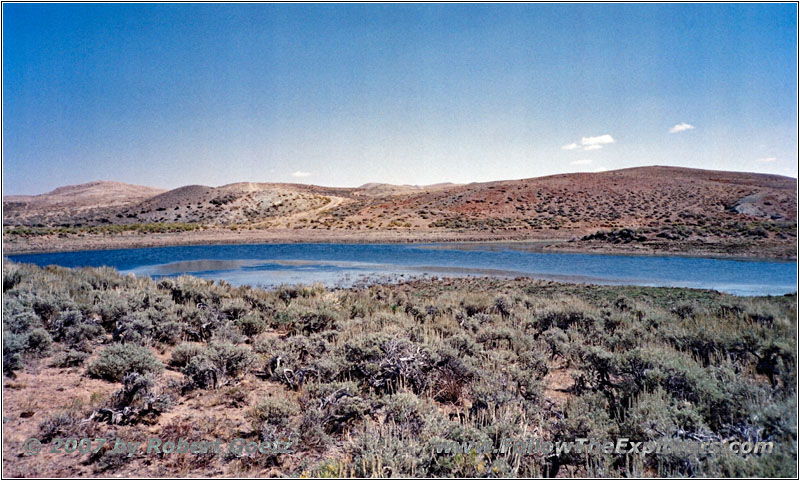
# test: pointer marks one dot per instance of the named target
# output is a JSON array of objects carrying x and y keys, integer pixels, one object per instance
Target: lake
[{"x": 345, "y": 265}]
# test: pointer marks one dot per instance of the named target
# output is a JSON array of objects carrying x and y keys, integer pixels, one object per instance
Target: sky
[{"x": 167, "y": 95}]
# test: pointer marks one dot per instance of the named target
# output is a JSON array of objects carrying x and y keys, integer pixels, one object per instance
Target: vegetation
[
  {"x": 702, "y": 229},
  {"x": 366, "y": 382},
  {"x": 118, "y": 360},
  {"x": 109, "y": 229}
]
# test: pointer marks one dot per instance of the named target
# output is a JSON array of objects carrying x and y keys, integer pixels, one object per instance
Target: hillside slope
[
  {"x": 73, "y": 203},
  {"x": 657, "y": 204}
]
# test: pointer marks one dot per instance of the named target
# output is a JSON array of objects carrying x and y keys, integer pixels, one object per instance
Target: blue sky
[{"x": 174, "y": 94}]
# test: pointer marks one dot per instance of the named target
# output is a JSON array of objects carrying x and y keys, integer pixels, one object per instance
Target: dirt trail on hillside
[{"x": 307, "y": 214}]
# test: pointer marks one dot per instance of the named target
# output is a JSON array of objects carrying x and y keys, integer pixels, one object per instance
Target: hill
[
  {"x": 73, "y": 203},
  {"x": 644, "y": 207}
]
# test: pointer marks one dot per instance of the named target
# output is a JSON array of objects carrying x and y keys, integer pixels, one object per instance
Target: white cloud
[
  {"x": 581, "y": 162},
  {"x": 681, "y": 127},
  {"x": 590, "y": 143},
  {"x": 599, "y": 140},
  {"x": 300, "y": 173},
  {"x": 766, "y": 159}
]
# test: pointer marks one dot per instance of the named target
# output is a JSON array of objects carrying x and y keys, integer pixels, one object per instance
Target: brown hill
[
  {"x": 71, "y": 203},
  {"x": 630, "y": 197},
  {"x": 98, "y": 191},
  {"x": 376, "y": 189},
  {"x": 239, "y": 203},
  {"x": 666, "y": 203}
]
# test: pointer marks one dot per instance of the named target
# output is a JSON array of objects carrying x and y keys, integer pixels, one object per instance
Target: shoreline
[
  {"x": 516, "y": 241},
  {"x": 89, "y": 242},
  {"x": 565, "y": 247}
]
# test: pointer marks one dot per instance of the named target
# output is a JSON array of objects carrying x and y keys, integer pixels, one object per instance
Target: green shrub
[
  {"x": 136, "y": 387},
  {"x": 17, "y": 318},
  {"x": 63, "y": 424},
  {"x": 70, "y": 358},
  {"x": 81, "y": 336},
  {"x": 11, "y": 277},
  {"x": 66, "y": 320},
  {"x": 313, "y": 434},
  {"x": 654, "y": 415},
  {"x": 232, "y": 361},
  {"x": 320, "y": 320},
  {"x": 201, "y": 373},
  {"x": 405, "y": 411},
  {"x": 214, "y": 365},
  {"x": 13, "y": 348},
  {"x": 385, "y": 363},
  {"x": 148, "y": 327},
  {"x": 251, "y": 324},
  {"x": 183, "y": 353},
  {"x": 274, "y": 411},
  {"x": 39, "y": 342},
  {"x": 778, "y": 360},
  {"x": 117, "y": 360},
  {"x": 112, "y": 306},
  {"x": 228, "y": 333},
  {"x": 234, "y": 309}
]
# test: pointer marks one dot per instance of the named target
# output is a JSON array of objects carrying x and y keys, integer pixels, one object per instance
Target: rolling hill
[{"x": 659, "y": 203}]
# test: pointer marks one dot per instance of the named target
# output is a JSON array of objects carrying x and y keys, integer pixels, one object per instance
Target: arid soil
[
  {"x": 668, "y": 209},
  {"x": 43, "y": 389}
]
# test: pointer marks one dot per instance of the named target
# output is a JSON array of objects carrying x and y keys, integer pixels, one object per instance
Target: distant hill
[
  {"x": 688, "y": 203},
  {"x": 98, "y": 191},
  {"x": 74, "y": 203},
  {"x": 377, "y": 189}
]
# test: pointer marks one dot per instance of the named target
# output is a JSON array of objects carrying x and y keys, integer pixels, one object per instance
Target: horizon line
[{"x": 400, "y": 185}]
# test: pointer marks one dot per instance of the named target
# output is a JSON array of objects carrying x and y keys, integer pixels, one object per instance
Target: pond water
[{"x": 345, "y": 265}]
